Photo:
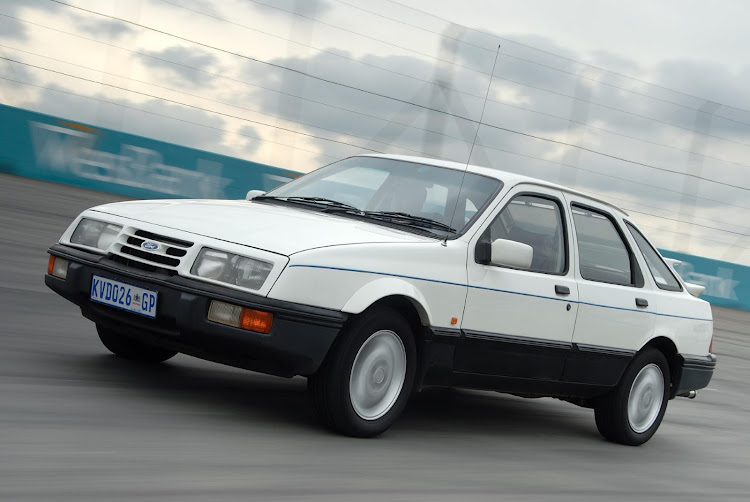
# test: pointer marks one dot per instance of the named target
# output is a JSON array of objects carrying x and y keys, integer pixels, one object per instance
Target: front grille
[
  {"x": 137, "y": 241},
  {"x": 163, "y": 238},
  {"x": 162, "y": 260},
  {"x": 140, "y": 265},
  {"x": 165, "y": 257}
]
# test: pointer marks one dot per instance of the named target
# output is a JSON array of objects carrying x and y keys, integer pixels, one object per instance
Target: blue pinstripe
[{"x": 496, "y": 289}]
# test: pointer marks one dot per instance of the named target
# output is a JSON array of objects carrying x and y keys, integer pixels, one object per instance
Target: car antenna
[{"x": 476, "y": 135}]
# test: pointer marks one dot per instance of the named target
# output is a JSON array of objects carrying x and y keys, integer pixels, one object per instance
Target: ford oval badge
[{"x": 150, "y": 245}]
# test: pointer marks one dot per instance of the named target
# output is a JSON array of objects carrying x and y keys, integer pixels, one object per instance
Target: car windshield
[{"x": 387, "y": 188}]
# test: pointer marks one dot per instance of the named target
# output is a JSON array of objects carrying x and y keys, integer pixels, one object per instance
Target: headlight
[
  {"x": 231, "y": 268},
  {"x": 95, "y": 234}
]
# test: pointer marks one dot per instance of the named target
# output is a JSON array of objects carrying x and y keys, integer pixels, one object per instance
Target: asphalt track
[{"x": 78, "y": 424}]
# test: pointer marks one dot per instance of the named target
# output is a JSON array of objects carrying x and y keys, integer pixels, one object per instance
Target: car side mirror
[
  {"x": 253, "y": 194},
  {"x": 511, "y": 253},
  {"x": 695, "y": 289}
]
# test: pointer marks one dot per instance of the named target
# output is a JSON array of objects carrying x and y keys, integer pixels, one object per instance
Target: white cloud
[{"x": 227, "y": 98}]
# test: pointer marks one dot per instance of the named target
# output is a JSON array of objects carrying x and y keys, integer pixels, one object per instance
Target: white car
[{"x": 377, "y": 275}]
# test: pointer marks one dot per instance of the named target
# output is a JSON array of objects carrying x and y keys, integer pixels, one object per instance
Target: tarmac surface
[{"x": 79, "y": 424}]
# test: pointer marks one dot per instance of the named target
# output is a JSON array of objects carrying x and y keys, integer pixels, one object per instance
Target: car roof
[{"x": 505, "y": 176}]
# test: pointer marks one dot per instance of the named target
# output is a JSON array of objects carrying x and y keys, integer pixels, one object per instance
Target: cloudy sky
[{"x": 643, "y": 103}]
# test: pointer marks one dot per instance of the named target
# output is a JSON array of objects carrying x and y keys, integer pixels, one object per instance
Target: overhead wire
[
  {"x": 468, "y": 119},
  {"x": 638, "y": 203},
  {"x": 310, "y": 151},
  {"x": 283, "y": 144},
  {"x": 505, "y": 129},
  {"x": 231, "y": 79},
  {"x": 616, "y": 157},
  {"x": 324, "y": 51},
  {"x": 621, "y": 110},
  {"x": 268, "y": 63},
  {"x": 623, "y": 135},
  {"x": 692, "y": 236},
  {"x": 327, "y": 139},
  {"x": 362, "y": 35},
  {"x": 455, "y": 39},
  {"x": 245, "y": 119},
  {"x": 497, "y": 37},
  {"x": 689, "y": 223},
  {"x": 379, "y": 94},
  {"x": 212, "y": 100},
  {"x": 149, "y": 112},
  {"x": 484, "y": 146},
  {"x": 151, "y": 56},
  {"x": 501, "y": 102},
  {"x": 620, "y": 178},
  {"x": 577, "y": 75}
]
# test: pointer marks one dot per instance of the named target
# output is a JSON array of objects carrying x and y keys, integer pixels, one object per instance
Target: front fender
[{"x": 388, "y": 286}]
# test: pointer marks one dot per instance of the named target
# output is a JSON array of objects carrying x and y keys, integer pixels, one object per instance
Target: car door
[
  {"x": 518, "y": 322},
  {"x": 615, "y": 303}
]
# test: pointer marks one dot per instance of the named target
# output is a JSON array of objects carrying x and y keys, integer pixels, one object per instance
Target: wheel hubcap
[
  {"x": 646, "y": 397},
  {"x": 378, "y": 374}
]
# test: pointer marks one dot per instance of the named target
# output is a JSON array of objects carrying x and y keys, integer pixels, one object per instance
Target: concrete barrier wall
[
  {"x": 727, "y": 284},
  {"x": 54, "y": 149},
  {"x": 51, "y": 148}
]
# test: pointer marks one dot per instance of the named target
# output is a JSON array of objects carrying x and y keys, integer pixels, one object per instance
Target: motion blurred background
[{"x": 642, "y": 103}]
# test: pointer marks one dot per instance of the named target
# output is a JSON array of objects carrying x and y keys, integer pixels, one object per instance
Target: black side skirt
[{"x": 521, "y": 365}]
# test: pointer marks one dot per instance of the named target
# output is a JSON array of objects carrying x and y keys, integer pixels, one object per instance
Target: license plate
[{"x": 123, "y": 296}]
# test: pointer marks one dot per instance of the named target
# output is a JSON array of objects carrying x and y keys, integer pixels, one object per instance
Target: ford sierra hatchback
[{"x": 376, "y": 276}]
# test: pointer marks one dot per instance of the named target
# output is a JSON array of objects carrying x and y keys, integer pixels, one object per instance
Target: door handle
[
  {"x": 641, "y": 302},
  {"x": 562, "y": 290}
]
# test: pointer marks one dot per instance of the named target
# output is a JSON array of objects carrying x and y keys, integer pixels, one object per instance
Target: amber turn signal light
[
  {"x": 240, "y": 317},
  {"x": 256, "y": 320},
  {"x": 57, "y": 267}
]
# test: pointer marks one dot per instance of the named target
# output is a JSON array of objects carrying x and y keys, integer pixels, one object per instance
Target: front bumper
[
  {"x": 694, "y": 373},
  {"x": 297, "y": 344}
]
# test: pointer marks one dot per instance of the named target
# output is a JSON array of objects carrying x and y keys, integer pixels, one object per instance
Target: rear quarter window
[{"x": 660, "y": 271}]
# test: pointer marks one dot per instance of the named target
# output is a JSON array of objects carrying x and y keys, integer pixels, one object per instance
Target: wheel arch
[
  {"x": 667, "y": 347},
  {"x": 417, "y": 320},
  {"x": 391, "y": 291}
]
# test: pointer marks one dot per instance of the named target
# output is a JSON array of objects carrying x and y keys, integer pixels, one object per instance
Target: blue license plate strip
[{"x": 123, "y": 296}]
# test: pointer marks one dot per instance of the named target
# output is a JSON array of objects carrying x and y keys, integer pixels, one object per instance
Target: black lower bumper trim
[
  {"x": 695, "y": 373},
  {"x": 297, "y": 344}
]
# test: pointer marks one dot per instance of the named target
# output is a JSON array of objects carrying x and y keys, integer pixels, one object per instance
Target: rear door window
[{"x": 602, "y": 252}]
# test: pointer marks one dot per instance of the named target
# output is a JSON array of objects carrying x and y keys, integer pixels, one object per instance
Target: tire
[
  {"x": 632, "y": 412},
  {"x": 367, "y": 377},
  {"x": 132, "y": 349}
]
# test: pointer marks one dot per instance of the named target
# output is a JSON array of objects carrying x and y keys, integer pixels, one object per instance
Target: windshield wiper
[
  {"x": 397, "y": 217},
  {"x": 314, "y": 200}
]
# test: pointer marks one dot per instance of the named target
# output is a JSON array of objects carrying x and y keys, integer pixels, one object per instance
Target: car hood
[{"x": 271, "y": 227}]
